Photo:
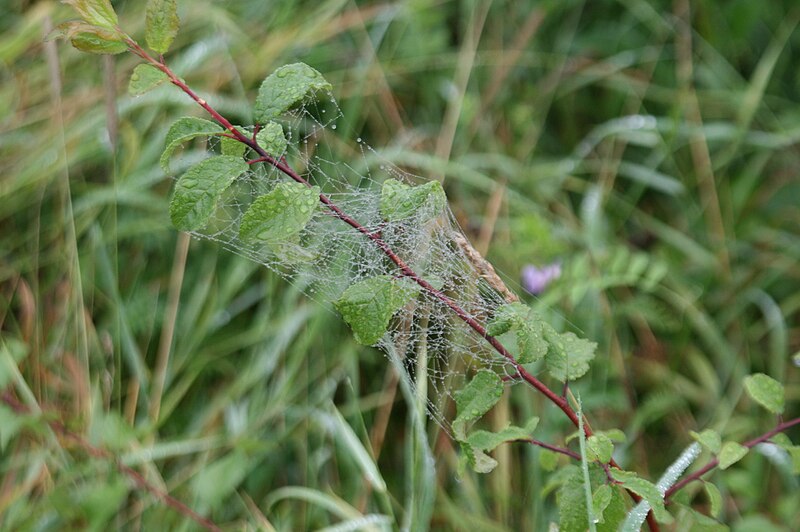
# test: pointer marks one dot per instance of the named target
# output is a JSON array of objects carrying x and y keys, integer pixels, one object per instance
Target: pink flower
[{"x": 535, "y": 279}]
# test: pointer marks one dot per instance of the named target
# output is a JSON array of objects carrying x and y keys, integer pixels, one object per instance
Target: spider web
[{"x": 437, "y": 351}]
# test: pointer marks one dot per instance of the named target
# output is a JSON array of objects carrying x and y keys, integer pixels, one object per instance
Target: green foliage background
[{"x": 650, "y": 147}]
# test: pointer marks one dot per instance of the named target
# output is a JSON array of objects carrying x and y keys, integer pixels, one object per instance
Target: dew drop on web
[{"x": 328, "y": 255}]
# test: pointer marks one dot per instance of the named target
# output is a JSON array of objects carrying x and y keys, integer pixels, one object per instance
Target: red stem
[
  {"x": 554, "y": 448},
  {"x": 560, "y": 402},
  {"x": 554, "y": 398},
  {"x": 715, "y": 462}
]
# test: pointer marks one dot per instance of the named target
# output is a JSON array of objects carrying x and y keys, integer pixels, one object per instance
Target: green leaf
[
  {"x": 691, "y": 519},
  {"x": 272, "y": 139},
  {"x": 89, "y": 38},
  {"x": 710, "y": 439},
  {"x": 528, "y": 327},
  {"x": 714, "y": 497},
  {"x": 571, "y": 501},
  {"x": 599, "y": 447},
  {"x": 368, "y": 305},
  {"x": 502, "y": 321},
  {"x": 548, "y": 460},
  {"x": 615, "y": 435},
  {"x": 95, "y": 12},
  {"x": 483, "y": 463},
  {"x": 98, "y": 41},
  {"x": 488, "y": 441},
  {"x": 161, "y": 24},
  {"x": 197, "y": 190},
  {"x": 285, "y": 88},
  {"x": 568, "y": 356},
  {"x": 479, "y": 461},
  {"x": 400, "y": 201},
  {"x": 645, "y": 489},
  {"x": 478, "y": 396},
  {"x": 183, "y": 130},
  {"x": 145, "y": 78},
  {"x": 233, "y": 147},
  {"x": 614, "y": 513},
  {"x": 279, "y": 215},
  {"x": 601, "y": 498},
  {"x": 781, "y": 440},
  {"x": 766, "y": 391},
  {"x": 731, "y": 453}
]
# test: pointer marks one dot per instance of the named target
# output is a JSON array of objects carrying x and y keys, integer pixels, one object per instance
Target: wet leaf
[
  {"x": 161, "y": 24},
  {"x": 183, "y": 130},
  {"x": 400, "y": 201},
  {"x": 766, "y": 391},
  {"x": 368, "y": 305},
  {"x": 288, "y": 86},
  {"x": 145, "y": 78},
  {"x": 279, "y": 215},
  {"x": 198, "y": 190}
]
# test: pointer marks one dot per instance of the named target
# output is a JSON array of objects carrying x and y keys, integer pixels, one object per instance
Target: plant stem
[
  {"x": 376, "y": 238},
  {"x": 554, "y": 448},
  {"x": 559, "y": 401},
  {"x": 715, "y": 462}
]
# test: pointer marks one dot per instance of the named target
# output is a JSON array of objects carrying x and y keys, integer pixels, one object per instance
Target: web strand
[{"x": 461, "y": 292}]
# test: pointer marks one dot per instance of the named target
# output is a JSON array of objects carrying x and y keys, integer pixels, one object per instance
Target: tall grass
[{"x": 650, "y": 147}]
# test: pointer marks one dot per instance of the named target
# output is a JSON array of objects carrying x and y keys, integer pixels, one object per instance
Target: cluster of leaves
[
  {"x": 98, "y": 32},
  {"x": 565, "y": 355},
  {"x": 274, "y": 218},
  {"x": 473, "y": 402},
  {"x": 770, "y": 395},
  {"x": 607, "y": 486},
  {"x": 607, "y": 511}
]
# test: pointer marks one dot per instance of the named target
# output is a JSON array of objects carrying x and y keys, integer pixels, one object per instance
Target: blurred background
[{"x": 647, "y": 148}]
